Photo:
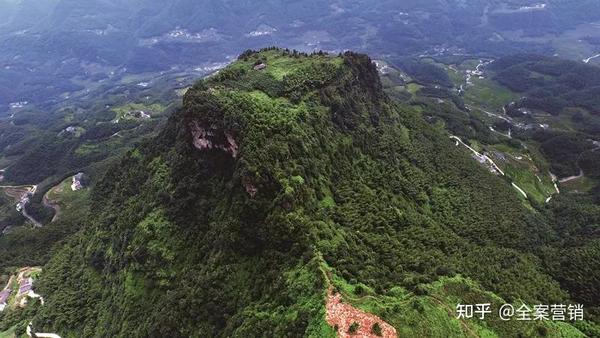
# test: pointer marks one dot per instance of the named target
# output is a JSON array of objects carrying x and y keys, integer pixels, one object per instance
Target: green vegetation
[
  {"x": 314, "y": 172},
  {"x": 413, "y": 88},
  {"x": 425, "y": 73},
  {"x": 353, "y": 328},
  {"x": 10, "y": 333},
  {"x": 489, "y": 94},
  {"x": 43, "y": 146},
  {"x": 430, "y": 312},
  {"x": 511, "y": 111},
  {"x": 550, "y": 84},
  {"x": 376, "y": 329},
  {"x": 128, "y": 111}
]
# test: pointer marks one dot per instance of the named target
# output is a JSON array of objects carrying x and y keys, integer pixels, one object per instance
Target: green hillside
[{"x": 271, "y": 186}]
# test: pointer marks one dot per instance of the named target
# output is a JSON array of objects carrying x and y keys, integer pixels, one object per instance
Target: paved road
[
  {"x": 458, "y": 140},
  {"x": 40, "y": 334},
  {"x": 479, "y": 155},
  {"x": 48, "y": 203},
  {"x": 24, "y": 200},
  {"x": 591, "y": 58}
]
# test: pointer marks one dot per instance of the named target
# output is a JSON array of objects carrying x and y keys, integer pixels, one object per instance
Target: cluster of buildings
[
  {"x": 17, "y": 105},
  {"x": 25, "y": 290},
  {"x": 23, "y": 201}
]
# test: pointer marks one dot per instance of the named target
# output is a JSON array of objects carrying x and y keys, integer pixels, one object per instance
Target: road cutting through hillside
[
  {"x": 581, "y": 173},
  {"x": 40, "y": 334},
  {"x": 489, "y": 160},
  {"x": 22, "y": 193},
  {"x": 48, "y": 203}
]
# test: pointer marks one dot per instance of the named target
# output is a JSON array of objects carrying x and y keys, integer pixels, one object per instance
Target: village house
[
  {"x": 77, "y": 182},
  {"x": 25, "y": 287},
  {"x": 260, "y": 66},
  {"x": 4, "y": 299}
]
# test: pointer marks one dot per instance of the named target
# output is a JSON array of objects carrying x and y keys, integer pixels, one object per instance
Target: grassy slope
[
  {"x": 10, "y": 333},
  {"x": 433, "y": 313}
]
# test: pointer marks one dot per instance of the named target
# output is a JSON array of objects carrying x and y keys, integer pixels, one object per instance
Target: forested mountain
[
  {"x": 286, "y": 178},
  {"x": 155, "y": 184}
]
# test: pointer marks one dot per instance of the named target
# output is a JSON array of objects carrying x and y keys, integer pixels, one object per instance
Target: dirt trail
[
  {"x": 343, "y": 315},
  {"x": 8, "y": 284},
  {"x": 48, "y": 203},
  {"x": 572, "y": 178}
]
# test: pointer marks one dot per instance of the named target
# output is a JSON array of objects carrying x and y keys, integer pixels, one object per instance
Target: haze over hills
[{"x": 83, "y": 40}]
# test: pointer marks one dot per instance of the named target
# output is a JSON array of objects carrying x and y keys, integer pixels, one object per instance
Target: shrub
[
  {"x": 376, "y": 330},
  {"x": 353, "y": 328}
]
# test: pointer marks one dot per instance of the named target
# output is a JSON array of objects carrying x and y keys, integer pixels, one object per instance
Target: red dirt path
[{"x": 343, "y": 315}]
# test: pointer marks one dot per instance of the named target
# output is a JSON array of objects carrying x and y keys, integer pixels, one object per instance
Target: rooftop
[{"x": 4, "y": 296}]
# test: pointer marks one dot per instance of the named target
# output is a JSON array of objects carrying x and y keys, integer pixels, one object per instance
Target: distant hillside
[{"x": 51, "y": 48}]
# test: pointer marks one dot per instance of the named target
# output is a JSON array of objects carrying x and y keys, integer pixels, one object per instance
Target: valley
[{"x": 475, "y": 92}]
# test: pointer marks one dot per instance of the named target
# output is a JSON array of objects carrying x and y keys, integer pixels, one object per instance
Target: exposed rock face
[
  {"x": 260, "y": 66},
  {"x": 232, "y": 146},
  {"x": 250, "y": 189},
  {"x": 211, "y": 138},
  {"x": 343, "y": 315},
  {"x": 201, "y": 136}
]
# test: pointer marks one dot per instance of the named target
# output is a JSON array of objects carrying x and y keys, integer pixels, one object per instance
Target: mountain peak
[{"x": 283, "y": 178}]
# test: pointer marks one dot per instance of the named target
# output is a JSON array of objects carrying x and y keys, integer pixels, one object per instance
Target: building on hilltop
[{"x": 78, "y": 182}]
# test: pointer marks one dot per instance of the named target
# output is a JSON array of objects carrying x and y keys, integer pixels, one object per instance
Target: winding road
[
  {"x": 489, "y": 160},
  {"x": 581, "y": 173},
  {"x": 571, "y": 178},
  {"x": 38, "y": 334},
  {"x": 48, "y": 203},
  {"x": 24, "y": 199},
  {"x": 591, "y": 58}
]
